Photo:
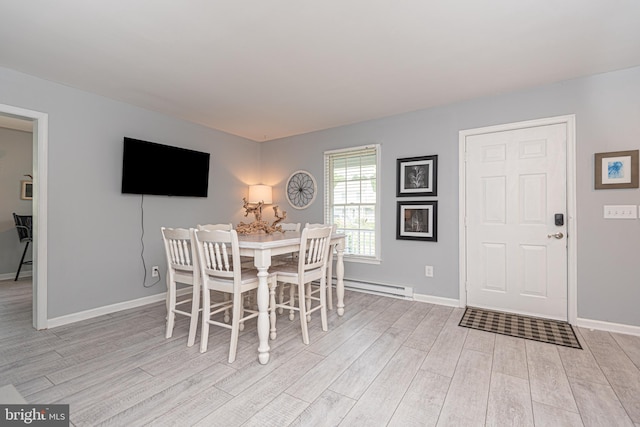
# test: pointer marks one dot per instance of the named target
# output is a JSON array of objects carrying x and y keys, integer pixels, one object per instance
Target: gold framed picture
[{"x": 26, "y": 190}]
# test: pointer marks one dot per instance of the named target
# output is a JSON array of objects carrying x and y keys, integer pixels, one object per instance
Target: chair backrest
[
  {"x": 334, "y": 227},
  {"x": 314, "y": 248},
  {"x": 211, "y": 227},
  {"x": 23, "y": 226},
  {"x": 218, "y": 254},
  {"x": 179, "y": 251},
  {"x": 290, "y": 226}
]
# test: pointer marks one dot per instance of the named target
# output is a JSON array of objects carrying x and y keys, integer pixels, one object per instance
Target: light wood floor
[{"x": 387, "y": 362}]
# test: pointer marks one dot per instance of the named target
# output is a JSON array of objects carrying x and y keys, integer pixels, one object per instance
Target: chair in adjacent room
[
  {"x": 25, "y": 234},
  {"x": 182, "y": 267},
  {"x": 221, "y": 270},
  {"x": 311, "y": 265}
]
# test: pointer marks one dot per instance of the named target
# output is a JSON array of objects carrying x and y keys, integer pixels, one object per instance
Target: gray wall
[
  {"x": 94, "y": 230},
  {"x": 15, "y": 162},
  {"x": 607, "y": 109}
]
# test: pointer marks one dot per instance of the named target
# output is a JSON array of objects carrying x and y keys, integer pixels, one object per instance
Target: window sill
[{"x": 362, "y": 260}]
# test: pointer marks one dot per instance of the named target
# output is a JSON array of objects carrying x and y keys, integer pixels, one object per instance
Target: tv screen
[{"x": 151, "y": 168}]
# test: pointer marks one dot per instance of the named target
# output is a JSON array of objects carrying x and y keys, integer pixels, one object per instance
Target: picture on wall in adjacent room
[
  {"x": 417, "y": 176},
  {"x": 26, "y": 190},
  {"x": 417, "y": 221},
  {"x": 616, "y": 169}
]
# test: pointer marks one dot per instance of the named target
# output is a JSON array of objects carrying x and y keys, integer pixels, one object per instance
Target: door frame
[
  {"x": 40, "y": 176},
  {"x": 572, "y": 267}
]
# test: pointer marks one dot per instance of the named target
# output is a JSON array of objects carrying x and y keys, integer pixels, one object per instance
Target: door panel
[{"x": 515, "y": 183}]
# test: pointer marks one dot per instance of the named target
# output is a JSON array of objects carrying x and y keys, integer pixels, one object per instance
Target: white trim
[
  {"x": 449, "y": 302},
  {"x": 361, "y": 259},
  {"x": 572, "y": 265},
  {"x": 347, "y": 150},
  {"x": 608, "y": 326},
  {"x": 113, "y": 308},
  {"x": 40, "y": 206},
  {"x": 23, "y": 273},
  {"x": 377, "y": 257}
]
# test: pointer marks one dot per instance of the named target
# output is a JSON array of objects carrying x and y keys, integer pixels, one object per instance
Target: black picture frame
[
  {"x": 417, "y": 220},
  {"x": 417, "y": 176}
]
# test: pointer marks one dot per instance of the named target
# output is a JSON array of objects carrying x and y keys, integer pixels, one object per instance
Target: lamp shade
[{"x": 260, "y": 193}]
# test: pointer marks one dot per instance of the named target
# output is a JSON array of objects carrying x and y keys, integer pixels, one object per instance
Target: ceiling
[{"x": 269, "y": 69}]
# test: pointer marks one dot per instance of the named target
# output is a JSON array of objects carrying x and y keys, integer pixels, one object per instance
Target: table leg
[
  {"x": 262, "y": 262},
  {"x": 340, "y": 277}
]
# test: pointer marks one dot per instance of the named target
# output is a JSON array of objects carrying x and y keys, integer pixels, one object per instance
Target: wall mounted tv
[{"x": 151, "y": 168}]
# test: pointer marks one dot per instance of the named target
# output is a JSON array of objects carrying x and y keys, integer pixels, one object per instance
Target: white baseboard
[
  {"x": 23, "y": 273},
  {"x": 449, "y": 302},
  {"x": 108, "y": 309},
  {"x": 608, "y": 326}
]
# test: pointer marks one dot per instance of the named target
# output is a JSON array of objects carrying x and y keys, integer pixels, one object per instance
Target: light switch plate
[{"x": 620, "y": 211}]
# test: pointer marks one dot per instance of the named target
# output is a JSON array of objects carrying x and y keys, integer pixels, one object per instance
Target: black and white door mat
[{"x": 516, "y": 325}]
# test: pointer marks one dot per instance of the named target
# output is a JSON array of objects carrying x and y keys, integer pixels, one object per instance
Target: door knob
[{"x": 557, "y": 235}]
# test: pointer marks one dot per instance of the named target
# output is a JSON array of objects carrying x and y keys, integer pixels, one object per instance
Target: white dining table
[{"x": 262, "y": 247}]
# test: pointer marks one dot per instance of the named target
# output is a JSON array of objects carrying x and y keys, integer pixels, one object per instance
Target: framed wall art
[
  {"x": 26, "y": 190},
  {"x": 616, "y": 169},
  {"x": 418, "y": 176},
  {"x": 417, "y": 221}
]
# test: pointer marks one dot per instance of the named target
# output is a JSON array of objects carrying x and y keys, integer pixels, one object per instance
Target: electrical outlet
[
  {"x": 154, "y": 271},
  {"x": 428, "y": 270}
]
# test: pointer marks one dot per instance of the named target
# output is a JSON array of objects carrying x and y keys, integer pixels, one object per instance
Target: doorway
[
  {"x": 517, "y": 218},
  {"x": 40, "y": 176}
]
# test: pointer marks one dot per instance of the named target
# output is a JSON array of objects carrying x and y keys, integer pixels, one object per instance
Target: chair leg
[
  {"x": 308, "y": 299},
  {"x": 272, "y": 307},
  {"x": 21, "y": 261},
  {"x": 292, "y": 300},
  {"x": 243, "y": 301},
  {"x": 206, "y": 317},
  {"x": 195, "y": 310},
  {"x": 235, "y": 325},
  {"x": 329, "y": 280},
  {"x": 227, "y": 298},
  {"x": 303, "y": 313},
  {"x": 281, "y": 298},
  {"x": 323, "y": 304},
  {"x": 171, "y": 305}
]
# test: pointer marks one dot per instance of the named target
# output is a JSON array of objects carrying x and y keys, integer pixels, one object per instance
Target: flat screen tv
[{"x": 151, "y": 168}]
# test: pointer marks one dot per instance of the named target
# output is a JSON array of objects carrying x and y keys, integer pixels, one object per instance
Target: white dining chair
[
  {"x": 211, "y": 227},
  {"x": 311, "y": 265},
  {"x": 224, "y": 227},
  {"x": 329, "y": 263},
  {"x": 290, "y": 226},
  {"x": 221, "y": 270},
  {"x": 285, "y": 258},
  {"x": 182, "y": 267}
]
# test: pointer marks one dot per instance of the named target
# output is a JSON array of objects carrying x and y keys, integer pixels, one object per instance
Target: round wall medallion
[{"x": 301, "y": 189}]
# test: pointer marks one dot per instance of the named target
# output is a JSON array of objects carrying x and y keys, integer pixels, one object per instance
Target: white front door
[{"x": 516, "y": 252}]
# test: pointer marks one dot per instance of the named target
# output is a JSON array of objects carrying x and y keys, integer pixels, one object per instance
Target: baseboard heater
[{"x": 404, "y": 292}]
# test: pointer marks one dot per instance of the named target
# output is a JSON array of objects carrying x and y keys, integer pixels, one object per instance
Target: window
[{"x": 352, "y": 199}]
